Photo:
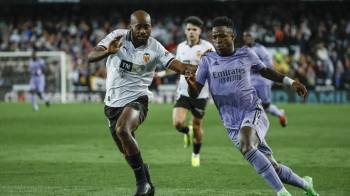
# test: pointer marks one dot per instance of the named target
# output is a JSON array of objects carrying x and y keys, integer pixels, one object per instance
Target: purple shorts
[
  {"x": 37, "y": 83},
  {"x": 257, "y": 120}
]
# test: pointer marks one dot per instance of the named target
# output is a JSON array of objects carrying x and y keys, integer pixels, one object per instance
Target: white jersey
[
  {"x": 192, "y": 55},
  {"x": 130, "y": 71}
]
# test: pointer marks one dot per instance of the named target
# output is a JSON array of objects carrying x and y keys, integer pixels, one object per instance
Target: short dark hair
[
  {"x": 195, "y": 20},
  {"x": 223, "y": 21}
]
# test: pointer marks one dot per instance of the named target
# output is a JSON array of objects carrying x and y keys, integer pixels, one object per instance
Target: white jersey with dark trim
[
  {"x": 130, "y": 71},
  {"x": 191, "y": 55}
]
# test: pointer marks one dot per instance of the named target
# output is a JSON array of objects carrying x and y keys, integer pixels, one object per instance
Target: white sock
[
  {"x": 274, "y": 110},
  {"x": 195, "y": 155}
]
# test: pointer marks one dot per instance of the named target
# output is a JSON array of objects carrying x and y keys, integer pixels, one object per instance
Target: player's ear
[{"x": 233, "y": 36}]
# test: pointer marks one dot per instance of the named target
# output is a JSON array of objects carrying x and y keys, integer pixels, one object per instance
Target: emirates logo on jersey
[{"x": 146, "y": 57}]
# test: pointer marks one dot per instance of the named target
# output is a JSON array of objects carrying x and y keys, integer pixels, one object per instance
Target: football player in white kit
[
  {"x": 190, "y": 51},
  {"x": 132, "y": 56}
]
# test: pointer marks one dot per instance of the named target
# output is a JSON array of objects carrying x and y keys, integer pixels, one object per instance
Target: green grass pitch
[{"x": 67, "y": 150}]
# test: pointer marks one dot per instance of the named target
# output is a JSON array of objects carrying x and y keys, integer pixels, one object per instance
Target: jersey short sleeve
[
  {"x": 202, "y": 71},
  {"x": 256, "y": 63},
  {"x": 164, "y": 56},
  {"x": 265, "y": 57},
  {"x": 111, "y": 36}
]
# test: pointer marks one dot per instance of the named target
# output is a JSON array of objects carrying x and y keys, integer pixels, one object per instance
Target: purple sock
[
  {"x": 264, "y": 168},
  {"x": 289, "y": 177}
]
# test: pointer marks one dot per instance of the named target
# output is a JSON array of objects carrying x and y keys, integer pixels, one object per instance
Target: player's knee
[
  {"x": 179, "y": 125},
  {"x": 245, "y": 140},
  {"x": 266, "y": 105},
  {"x": 245, "y": 146},
  {"x": 122, "y": 132}
]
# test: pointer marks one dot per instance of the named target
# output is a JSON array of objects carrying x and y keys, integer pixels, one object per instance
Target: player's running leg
[
  {"x": 128, "y": 121},
  {"x": 40, "y": 92},
  {"x": 274, "y": 110},
  {"x": 264, "y": 93},
  {"x": 33, "y": 90},
  {"x": 248, "y": 146},
  {"x": 289, "y": 177},
  {"x": 179, "y": 120},
  {"x": 197, "y": 140},
  {"x": 33, "y": 100}
]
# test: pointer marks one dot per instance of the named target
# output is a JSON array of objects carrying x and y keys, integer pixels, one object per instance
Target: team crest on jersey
[{"x": 146, "y": 57}]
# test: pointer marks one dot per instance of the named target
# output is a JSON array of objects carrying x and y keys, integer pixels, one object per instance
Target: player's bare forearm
[
  {"x": 181, "y": 68},
  {"x": 277, "y": 77},
  {"x": 271, "y": 74},
  {"x": 97, "y": 54}
]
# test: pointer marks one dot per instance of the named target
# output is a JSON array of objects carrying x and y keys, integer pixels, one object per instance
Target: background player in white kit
[
  {"x": 132, "y": 58},
  {"x": 261, "y": 84},
  {"x": 37, "y": 80},
  {"x": 190, "y": 52}
]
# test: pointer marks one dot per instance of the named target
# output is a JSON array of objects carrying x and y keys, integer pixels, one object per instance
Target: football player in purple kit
[
  {"x": 228, "y": 74},
  {"x": 261, "y": 84},
  {"x": 37, "y": 80}
]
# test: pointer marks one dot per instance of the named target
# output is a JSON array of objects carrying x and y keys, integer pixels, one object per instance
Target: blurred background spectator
[{"x": 320, "y": 32}]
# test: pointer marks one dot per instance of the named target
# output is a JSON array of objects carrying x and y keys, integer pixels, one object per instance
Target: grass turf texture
[{"x": 68, "y": 150}]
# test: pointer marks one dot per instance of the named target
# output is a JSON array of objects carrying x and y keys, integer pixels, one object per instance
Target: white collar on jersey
[{"x": 199, "y": 42}]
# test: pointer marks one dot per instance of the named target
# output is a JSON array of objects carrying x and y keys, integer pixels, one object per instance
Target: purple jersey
[
  {"x": 37, "y": 79},
  {"x": 230, "y": 83},
  {"x": 264, "y": 56},
  {"x": 36, "y": 67}
]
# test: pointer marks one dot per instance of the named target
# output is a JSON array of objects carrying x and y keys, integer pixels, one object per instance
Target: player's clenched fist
[{"x": 190, "y": 78}]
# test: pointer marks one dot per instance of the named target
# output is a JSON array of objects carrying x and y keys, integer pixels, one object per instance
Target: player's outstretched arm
[
  {"x": 194, "y": 87},
  {"x": 277, "y": 77},
  {"x": 182, "y": 68},
  {"x": 99, "y": 52}
]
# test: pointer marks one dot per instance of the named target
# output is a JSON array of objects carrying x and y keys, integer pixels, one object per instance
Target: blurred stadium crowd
[{"x": 319, "y": 31}]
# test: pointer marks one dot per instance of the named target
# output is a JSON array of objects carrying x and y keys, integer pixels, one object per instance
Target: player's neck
[
  {"x": 136, "y": 43},
  {"x": 193, "y": 42},
  {"x": 228, "y": 52}
]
